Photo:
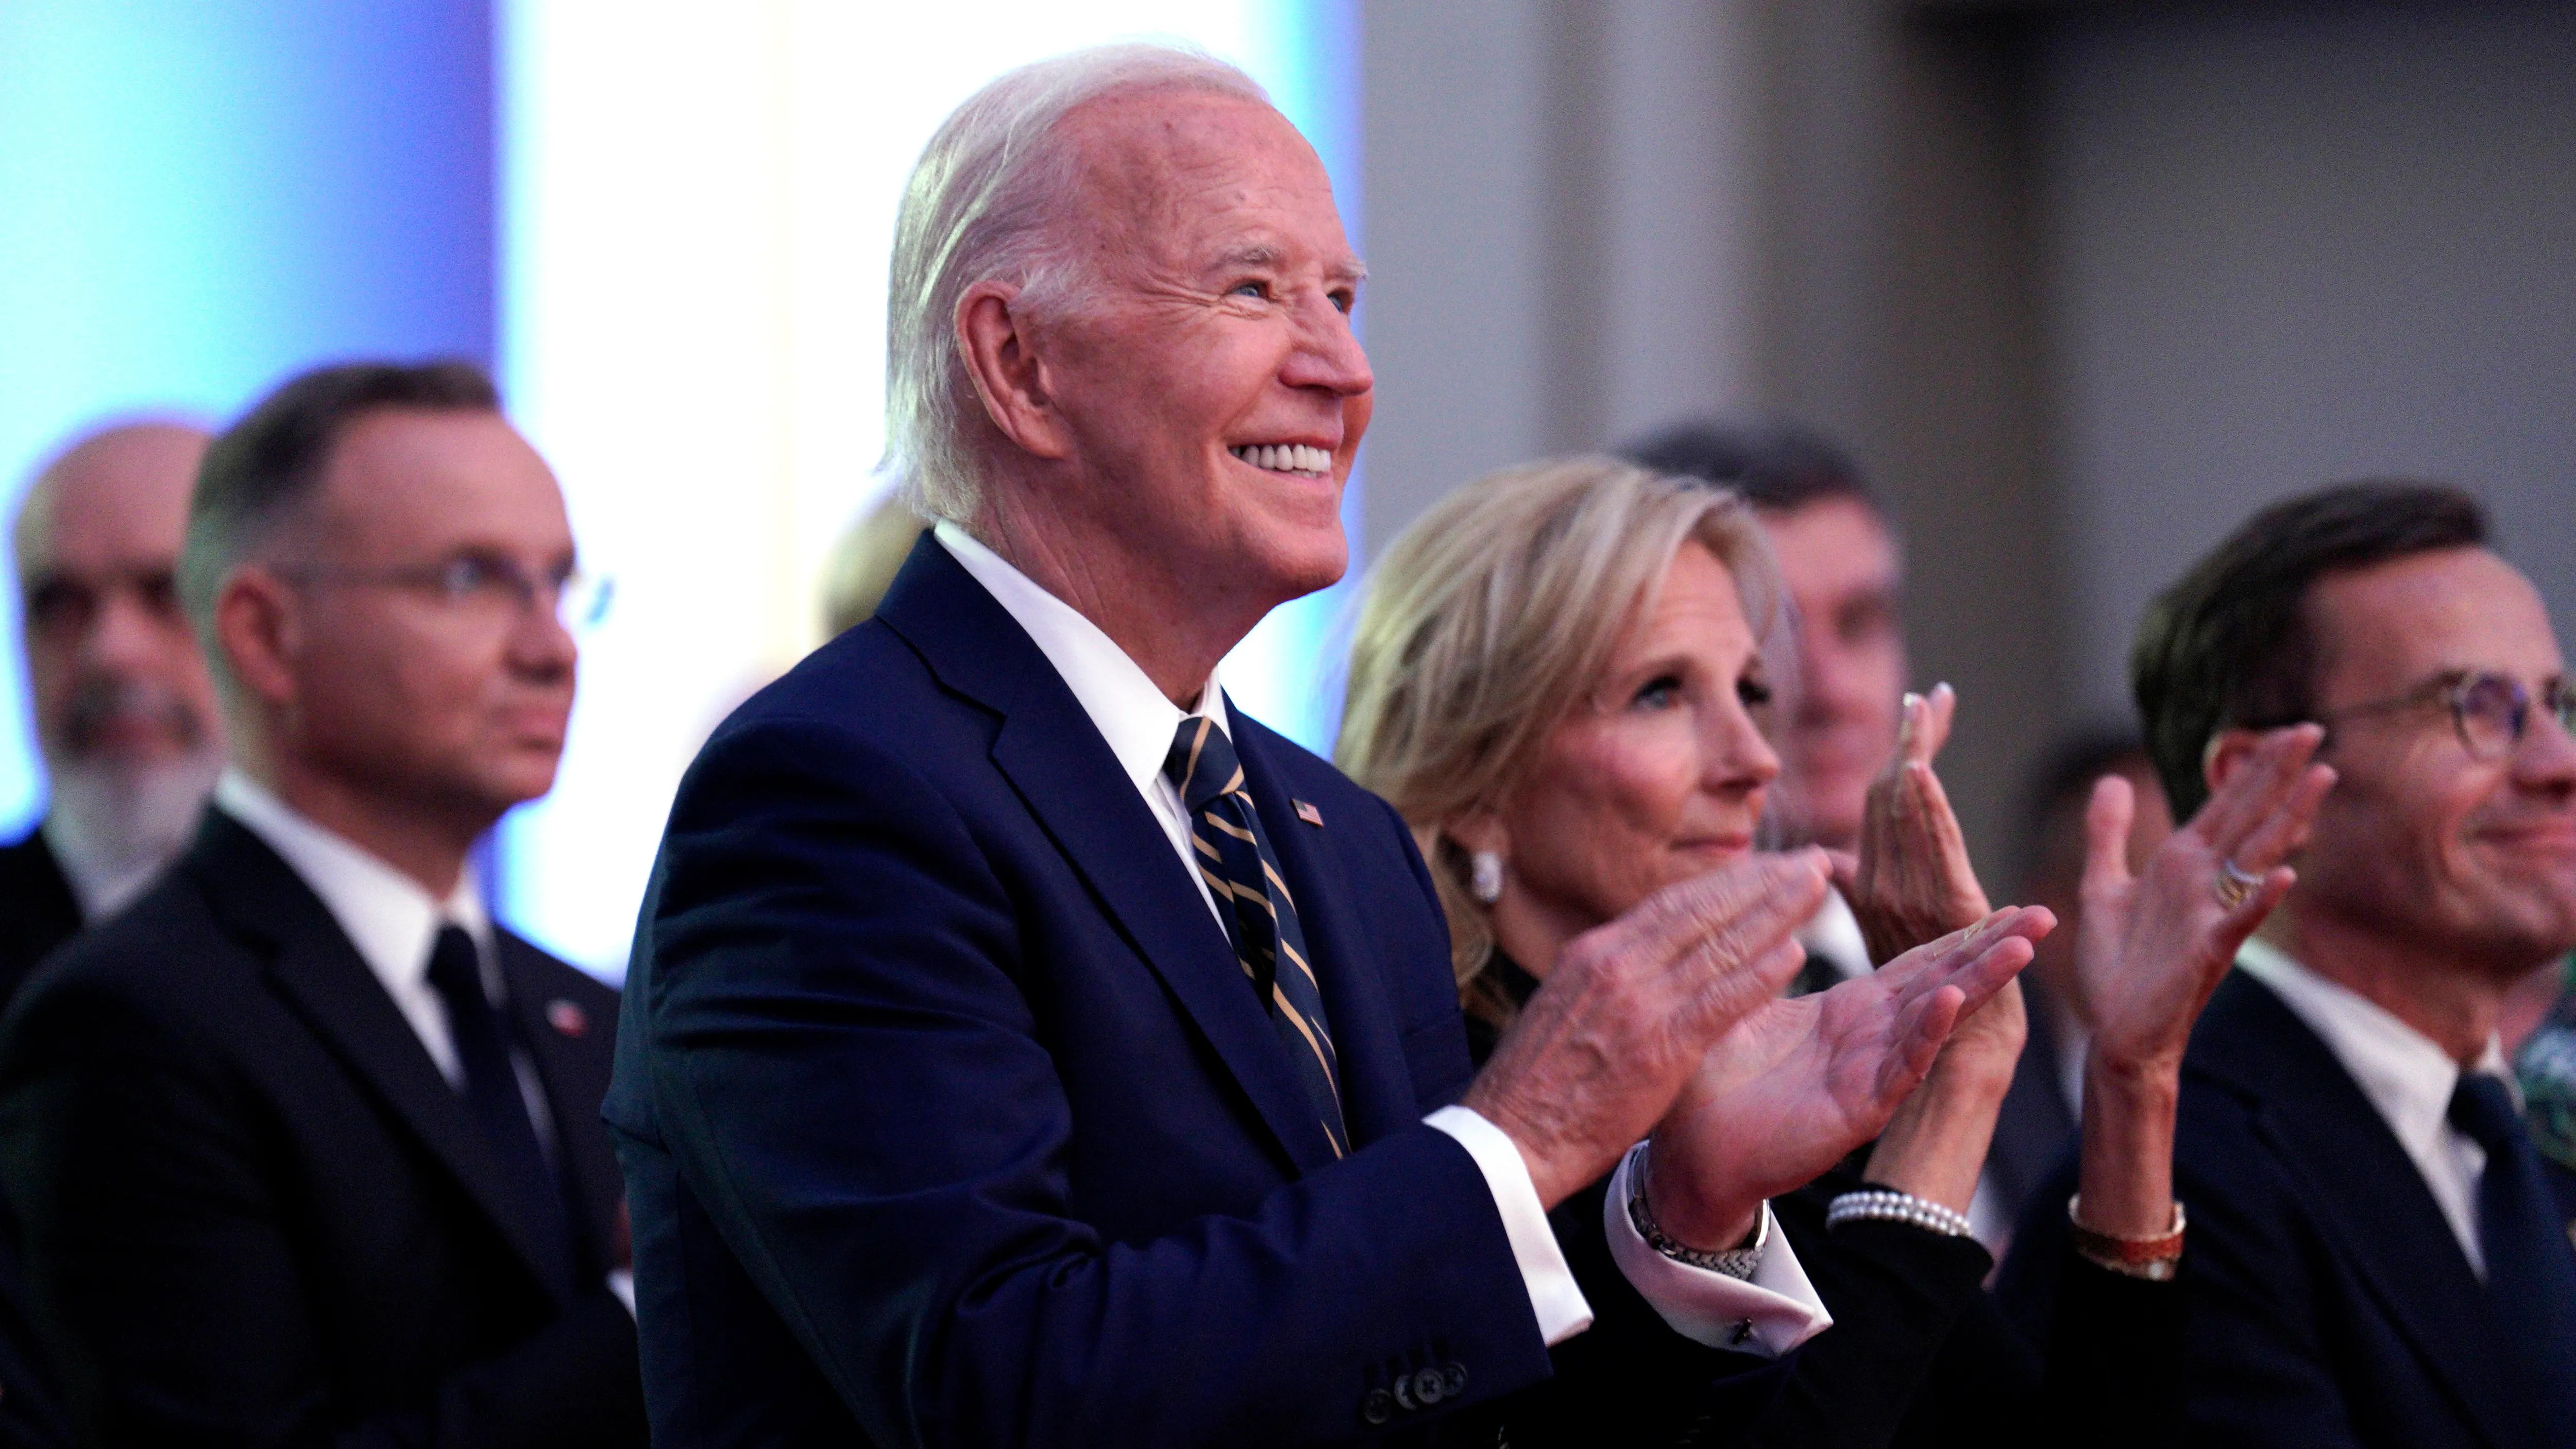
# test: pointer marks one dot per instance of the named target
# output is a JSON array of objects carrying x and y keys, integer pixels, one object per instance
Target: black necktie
[
  {"x": 2531, "y": 1266},
  {"x": 1235, "y": 859},
  {"x": 492, "y": 1096}
]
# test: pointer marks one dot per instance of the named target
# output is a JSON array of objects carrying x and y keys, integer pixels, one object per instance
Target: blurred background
[{"x": 2080, "y": 284}]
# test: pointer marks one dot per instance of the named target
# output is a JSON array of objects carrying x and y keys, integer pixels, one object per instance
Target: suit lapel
[
  {"x": 1055, "y": 759},
  {"x": 322, "y": 979},
  {"x": 2369, "y": 1194},
  {"x": 572, "y": 1062},
  {"x": 1377, "y": 1087}
]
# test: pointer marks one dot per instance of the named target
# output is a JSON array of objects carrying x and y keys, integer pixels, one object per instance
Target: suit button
[
  {"x": 1378, "y": 1407},
  {"x": 1429, "y": 1387},
  {"x": 1404, "y": 1393},
  {"x": 1454, "y": 1378}
]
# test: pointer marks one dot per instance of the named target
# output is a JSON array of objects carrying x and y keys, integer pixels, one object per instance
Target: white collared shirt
[
  {"x": 1138, "y": 722},
  {"x": 392, "y": 922},
  {"x": 1833, "y": 934},
  {"x": 2405, "y": 1074}
]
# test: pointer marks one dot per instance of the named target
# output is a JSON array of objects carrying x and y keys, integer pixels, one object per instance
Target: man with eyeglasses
[
  {"x": 124, "y": 714},
  {"x": 304, "y": 1147},
  {"x": 2376, "y": 1257}
]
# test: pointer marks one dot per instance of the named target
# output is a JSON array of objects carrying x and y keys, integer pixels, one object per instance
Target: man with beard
[{"x": 124, "y": 712}]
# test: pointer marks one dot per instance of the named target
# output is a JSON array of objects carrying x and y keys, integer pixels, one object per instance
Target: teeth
[{"x": 1286, "y": 457}]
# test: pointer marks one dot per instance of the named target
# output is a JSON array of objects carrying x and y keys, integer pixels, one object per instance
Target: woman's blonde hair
[{"x": 1490, "y": 621}]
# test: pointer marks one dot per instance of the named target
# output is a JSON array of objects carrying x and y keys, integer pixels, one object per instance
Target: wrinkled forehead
[
  {"x": 2391, "y": 626},
  {"x": 1177, "y": 176}
]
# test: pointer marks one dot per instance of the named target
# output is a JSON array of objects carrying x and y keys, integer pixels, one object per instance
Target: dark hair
[
  {"x": 2231, "y": 645},
  {"x": 266, "y": 466},
  {"x": 2064, "y": 778},
  {"x": 1773, "y": 465}
]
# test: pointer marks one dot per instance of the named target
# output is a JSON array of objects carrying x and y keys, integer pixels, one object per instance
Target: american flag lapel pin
[
  {"x": 1309, "y": 814},
  {"x": 567, "y": 1017}
]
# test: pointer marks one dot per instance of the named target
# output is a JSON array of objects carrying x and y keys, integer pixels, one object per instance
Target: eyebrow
[{"x": 1263, "y": 254}]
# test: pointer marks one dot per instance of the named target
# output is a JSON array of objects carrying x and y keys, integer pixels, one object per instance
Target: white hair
[{"x": 985, "y": 203}]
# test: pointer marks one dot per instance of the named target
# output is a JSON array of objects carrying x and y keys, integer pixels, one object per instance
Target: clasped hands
[{"x": 1668, "y": 1021}]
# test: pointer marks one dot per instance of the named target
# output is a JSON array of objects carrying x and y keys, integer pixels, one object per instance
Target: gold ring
[{"x": 2234, "y": 886}]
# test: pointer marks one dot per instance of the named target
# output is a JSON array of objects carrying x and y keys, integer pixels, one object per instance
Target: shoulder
[
  {"x": 163, "y": 968},
  {"x": 1316, "y": 781},
  {"x": 556, "y": 976}
]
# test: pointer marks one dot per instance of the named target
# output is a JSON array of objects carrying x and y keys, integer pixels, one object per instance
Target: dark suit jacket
[
  {"x": 2330, "y": 1305},
  {"x": 948, "y": 1117},
  {"x": 254, "y": 1212},
  {"x": 37, "y": 909},
  {"x": 2035, "y": 1134}
]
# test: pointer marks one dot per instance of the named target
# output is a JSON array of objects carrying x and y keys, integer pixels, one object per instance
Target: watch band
[
  {"x": 1737, "y": 1262},
  {"x": 2156, "y": 1259}
]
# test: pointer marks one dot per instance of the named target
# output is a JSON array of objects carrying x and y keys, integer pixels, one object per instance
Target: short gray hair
[{"x": 984, "y": 204}]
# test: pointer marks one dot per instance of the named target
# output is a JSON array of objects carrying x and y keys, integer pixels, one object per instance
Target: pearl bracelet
[{"x": 1883, "y": 1205}]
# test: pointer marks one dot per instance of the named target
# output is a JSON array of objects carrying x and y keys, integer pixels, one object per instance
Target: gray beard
[{"x": 115, "y": 826}]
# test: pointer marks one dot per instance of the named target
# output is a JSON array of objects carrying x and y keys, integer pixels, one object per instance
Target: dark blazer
[
  {"x": 2035, "y": 1134},
  {"x": 2330, "y": 1305},
  {"x": 255, "y": 1214},
  {"x": 948, "y": 1117},
  {"x": 37, "y": 909}
]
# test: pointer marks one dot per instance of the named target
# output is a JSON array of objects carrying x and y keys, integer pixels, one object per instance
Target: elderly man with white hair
[{"x": 1025, "y": 1047}]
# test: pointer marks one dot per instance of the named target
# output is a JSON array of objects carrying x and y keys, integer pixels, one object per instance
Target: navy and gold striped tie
[{"x": 1242, "y": 872}]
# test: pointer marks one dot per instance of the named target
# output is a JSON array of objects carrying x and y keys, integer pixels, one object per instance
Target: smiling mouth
[{"x": 1295, "y": 459}]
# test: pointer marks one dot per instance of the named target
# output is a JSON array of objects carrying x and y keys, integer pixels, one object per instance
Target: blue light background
[{"x": 199, "y": 197}]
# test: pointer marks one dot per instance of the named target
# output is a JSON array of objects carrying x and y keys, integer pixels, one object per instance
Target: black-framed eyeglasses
[
  {"x": 488, "y": 587},
  {"x": 2489, "y": 710}
]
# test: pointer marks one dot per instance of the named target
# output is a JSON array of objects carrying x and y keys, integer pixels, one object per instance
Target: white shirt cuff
[
  {"x": 621, "y": 1282},
  {"x": 1769, "y": 1314},
  {"x": 1554, "y": 1299}
]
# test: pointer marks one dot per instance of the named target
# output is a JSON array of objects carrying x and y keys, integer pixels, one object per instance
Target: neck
[
  {"x": 1176, "y": 626},
  {"x": 427, "y": 846},
  {"x": 1530, "y": 933},
  {"x": 2456, "y": 1007}
]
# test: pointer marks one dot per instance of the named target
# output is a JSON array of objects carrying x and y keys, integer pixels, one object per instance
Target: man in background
[
  {"x": 1843, "y": 569},
  {"x": 124, "y": 714},
  {"x": 304, "y": 1148},
  {"x": 2375, "y": 1255}
]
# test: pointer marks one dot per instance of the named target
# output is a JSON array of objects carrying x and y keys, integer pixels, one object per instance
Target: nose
[
  {"x": 1739, "y": 760},
  {"x": 125, "y": 638},
  {"x": 2545, "y": 759},
  {"x": 541, "y": 646},
  {"x": 1328, "y": 356}
]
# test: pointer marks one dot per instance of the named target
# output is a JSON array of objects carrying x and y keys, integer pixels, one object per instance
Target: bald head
[{"x": 115, "y": 673}]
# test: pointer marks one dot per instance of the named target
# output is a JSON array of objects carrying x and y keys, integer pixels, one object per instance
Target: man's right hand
[{"x": 1631, "y": 1007}]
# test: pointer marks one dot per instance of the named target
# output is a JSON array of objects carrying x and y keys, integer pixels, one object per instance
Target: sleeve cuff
[
  {"x": 1769, "y": 1314},
  {"x": 621, "y": 1283},
  {"x": 1558, "y": 1304}
]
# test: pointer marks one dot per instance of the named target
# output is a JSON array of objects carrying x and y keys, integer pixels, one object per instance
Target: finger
[
  {"x": 2253, "y": 793},
  {"x": 1921, "y": 1032},
  {"x": 1910, "y": 729},
  {"x": 1925, "y": 967},
  {"x": 1729, "y": 916},
  {"x": 1725, "y": 999},
  {"x": 2228, "y": 936},
  {"x": 1997, "y": 964},
  {"x": 1939, "y": 708},
  {"x": 1846, "y": 869},
  {"x": 1944, "y": 844},
  {"x": 2281, "y": 832},
  {"x": 2106, "y": 834}
]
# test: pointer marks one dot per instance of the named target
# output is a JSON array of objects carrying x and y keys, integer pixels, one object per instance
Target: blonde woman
[{"x": 1558, "y": 680}]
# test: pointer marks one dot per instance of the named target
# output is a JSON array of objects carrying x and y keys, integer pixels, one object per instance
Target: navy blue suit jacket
[
  {"x": 2329, "y": 1303},
  {"x": 948, "y": 1117}
]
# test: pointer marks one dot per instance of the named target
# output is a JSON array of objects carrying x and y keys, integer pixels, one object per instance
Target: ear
[
  {"x": 258, "y": 627},
  {"x": 1480, "y": 830},
  {"x": 2227, "y": 752},
  {"x": 1002, "y": 361}
]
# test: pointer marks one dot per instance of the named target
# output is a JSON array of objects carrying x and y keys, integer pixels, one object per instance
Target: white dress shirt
[
  {"x": 1833, "y": 935},
  {"x": 1138, "y": 722},
  {"x": 392, "y": 922},
  {"x": 2405, "y": 1074}
]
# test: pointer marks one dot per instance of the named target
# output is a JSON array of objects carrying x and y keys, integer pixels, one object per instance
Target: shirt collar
[
  {"x": 2403, "y": 1072},
  {"x": 385, "y": 914},
  {"x": 1130, "y": 713}
]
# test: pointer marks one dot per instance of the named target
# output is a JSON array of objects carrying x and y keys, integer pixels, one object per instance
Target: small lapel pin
[
  {"x": 567, "y": 1017},
  {"x": 1309, "y": 814}
]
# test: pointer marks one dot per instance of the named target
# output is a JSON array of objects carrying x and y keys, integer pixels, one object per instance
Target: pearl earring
[{"x": 1485, "y": 876}]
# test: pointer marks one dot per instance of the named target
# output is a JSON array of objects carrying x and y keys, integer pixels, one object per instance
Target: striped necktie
[{"x": 1234, "y": 857}]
